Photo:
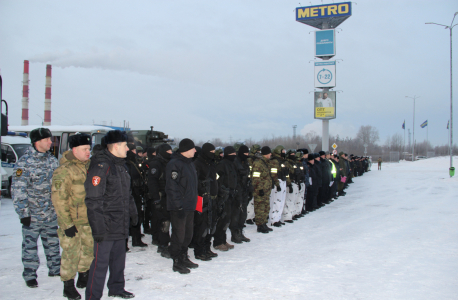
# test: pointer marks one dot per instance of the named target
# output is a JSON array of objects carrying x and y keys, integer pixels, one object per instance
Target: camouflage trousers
[
  {"x": 261, "y": 208},
  {"x": 77, "y": 252},
  {"x": 50, "y": 241}
]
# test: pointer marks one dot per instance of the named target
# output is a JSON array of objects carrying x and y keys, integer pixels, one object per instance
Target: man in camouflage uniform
[
  {"x": 68, "y": 196},
  {"x": 255, "y": 153},
  {"x": 262, "y": 184},
  {"x": 31, "y": 194}
]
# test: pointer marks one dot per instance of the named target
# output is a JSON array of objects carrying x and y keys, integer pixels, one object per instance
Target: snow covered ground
[{"x": 394, "y": 236}]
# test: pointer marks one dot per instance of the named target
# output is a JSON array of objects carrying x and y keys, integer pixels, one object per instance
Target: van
[{"x": 13, "y": 147}]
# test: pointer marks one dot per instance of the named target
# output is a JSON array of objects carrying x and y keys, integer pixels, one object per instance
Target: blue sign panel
[{"x": 325, "y": 43}]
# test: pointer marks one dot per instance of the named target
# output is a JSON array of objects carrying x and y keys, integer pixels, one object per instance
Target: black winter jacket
[
  {"x": 181, "y": 183},
  {"x": 318, "y": 171},
  {"x": 109, "y": 200},
  {"x": 227, "y": 174},
  {"x": 206, "y": 169},
  {"x": 156, "y": 178}
]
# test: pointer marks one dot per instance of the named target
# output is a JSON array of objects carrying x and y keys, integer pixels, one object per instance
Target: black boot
[
  {"x": 202, "y": 256},
  {"x": 235, "y": 237},
  {"x": 242, "y": 237},
  {"x": 268, "y": 228},
  {"x": 32, "y": 283},
  {"x": 249, "y": 221},
  {"x": 187, "y": 263},
  {"x": 179, "y": 267},
  {"x": 124, "y": 294},
  {"x": 137, "y": 242},
  {"x": 164, "y": 251},
  {"x": 210, "y": 253},
  {"x": 82, "y": 280},
  {"x": 262, "y": 229},
  {"x": 277, "y": 224},
  {"x": 70, "y": 291}
]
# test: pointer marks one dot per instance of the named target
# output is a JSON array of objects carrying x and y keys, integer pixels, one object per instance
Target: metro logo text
[{"x": 323, "y": 11}]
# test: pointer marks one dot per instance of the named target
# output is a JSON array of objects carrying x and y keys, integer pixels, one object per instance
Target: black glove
[
  {"x": 261, "y": 193},
  {"x": 134, "y": 220},
  {"x": 70, "y": 232},
  {"x": 98, "y": 239},
  {"x": 157, "y": 204},
  {"x": 290, "y": 189},
  {"x": 181, "y": 213},
  {"x": 300, "y": 188},
  {"x": 278, "y": 189},
  {"x": 26, "y": 221}
]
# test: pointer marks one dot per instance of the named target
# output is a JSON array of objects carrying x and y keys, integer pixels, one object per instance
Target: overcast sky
[{"x": 227, "y": 69}]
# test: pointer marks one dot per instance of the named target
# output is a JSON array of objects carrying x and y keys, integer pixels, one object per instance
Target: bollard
[{"x": 452, "y": 171}]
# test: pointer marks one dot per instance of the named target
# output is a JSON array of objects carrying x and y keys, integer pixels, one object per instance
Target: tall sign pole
[{"x": 325, "y": 18}]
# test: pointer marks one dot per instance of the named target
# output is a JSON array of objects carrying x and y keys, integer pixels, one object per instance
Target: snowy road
[{"x": 394, "y": 236}]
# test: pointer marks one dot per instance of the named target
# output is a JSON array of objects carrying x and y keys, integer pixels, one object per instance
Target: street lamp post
[
  {"x": 413, "y": 144},
  {"x": 451, "y": 91}
]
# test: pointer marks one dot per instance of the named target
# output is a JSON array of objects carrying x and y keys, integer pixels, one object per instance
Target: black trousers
[
  {"x": 136, "y": 230},
  {"x": 107, "y": 255},
  {"x": 148, "y": 214},
  {"x": 239, "y": 211},
  {"x": 182, "y": 231},
  {"x": 161, "y": 219},
  {"x": 223, "y": 223},
  {"x": 311, "y": 199},
  {"x": 200, "y": 228}
]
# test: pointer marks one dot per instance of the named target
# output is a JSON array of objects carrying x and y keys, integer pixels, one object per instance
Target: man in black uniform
[
  {"x": 181, "y": 190},
  {"x": 227, "y": 178},
  {"x": 110, "y": 209},
  {"x": 312, "y": 189},
  {"x": 158, "y": 198},
  {"x": 326, "y": 178},
  {"x": 148, "y": 156},
  {"x": 244, "y": 194},
  {"x": 138, "y": 187},
  {"x": 205, "y": 222}
]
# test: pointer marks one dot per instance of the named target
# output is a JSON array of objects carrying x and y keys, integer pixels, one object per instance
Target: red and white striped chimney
[
  {"x": 48, "y": 96},
  {"x": 25, "y": 94}
]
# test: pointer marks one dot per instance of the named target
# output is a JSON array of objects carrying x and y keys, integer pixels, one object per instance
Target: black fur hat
[
  {"x": 39, "y": 133},
  {"x": 79, "y": 139},
  {"x": 115, "y": 136}
]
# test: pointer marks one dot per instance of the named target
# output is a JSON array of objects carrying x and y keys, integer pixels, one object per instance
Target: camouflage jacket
[
  {"x": 262, "y": 179},
  {"x": 68, "y": 191},
  {"x": 31, "y": 186},
  {"x": 274, "y": 169}
]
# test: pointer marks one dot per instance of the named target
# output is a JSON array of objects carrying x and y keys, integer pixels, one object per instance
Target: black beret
[
  {"x": 79, "y": 139},
  {"x": 39, "y": 133},
  {"x": 115, "y": 136}
]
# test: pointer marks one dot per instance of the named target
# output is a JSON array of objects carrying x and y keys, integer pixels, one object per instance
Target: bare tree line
[{"x": 367, "y": 135}]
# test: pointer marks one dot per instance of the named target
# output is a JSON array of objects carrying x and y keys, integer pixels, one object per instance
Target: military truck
[{"x": 151, "y": 138}]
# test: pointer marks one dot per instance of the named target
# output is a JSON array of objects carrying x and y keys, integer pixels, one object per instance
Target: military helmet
[
  {"x": 278, "y": 150},
  {"x": 255, "y": 149},
  {"x": 237, "y": 145},
  {"x": 290, "y": 151},
  {"x": 299, "y": 155},
  {"x": 218, "y": 151}
]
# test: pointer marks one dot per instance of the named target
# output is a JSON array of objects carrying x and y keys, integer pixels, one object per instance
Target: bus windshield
[
  {"x": 20, "y": 149},
  {"x": 97, "y": 138}
]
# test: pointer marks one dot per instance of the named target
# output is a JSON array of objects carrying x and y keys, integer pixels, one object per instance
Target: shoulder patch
[
  {"x": 57, "y": 184},
  {"x": 95, "y": 180},
  {"x": 174, "y": 175},
  {"x": 18, "y": 172},
  {"x": 153, "y": 171}
]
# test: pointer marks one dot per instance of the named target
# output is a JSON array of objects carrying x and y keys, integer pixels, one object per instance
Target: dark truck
[{"x": 151, "y": 138}]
